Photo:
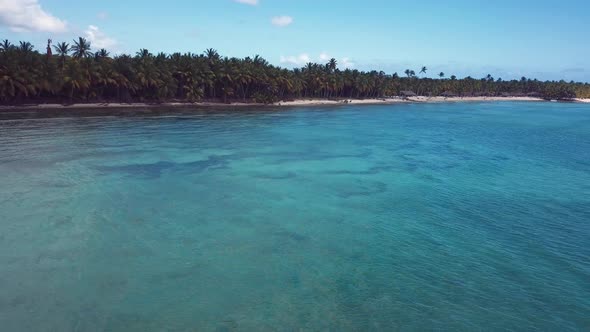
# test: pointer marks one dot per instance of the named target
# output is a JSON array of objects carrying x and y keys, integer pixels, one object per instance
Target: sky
[{"x": 544, "y": 39}]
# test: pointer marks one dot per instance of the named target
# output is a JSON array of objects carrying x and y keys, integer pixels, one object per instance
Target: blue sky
[{"x": 508, "y": 39}]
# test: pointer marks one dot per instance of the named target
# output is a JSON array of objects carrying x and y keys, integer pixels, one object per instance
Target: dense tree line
[{"x": 73, "y": 73}]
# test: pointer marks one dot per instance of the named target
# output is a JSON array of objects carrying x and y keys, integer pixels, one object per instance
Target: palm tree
[
  {"x": 75, "y": 80},
  {"x": 12, "y": 84},
  {"x": 212, "y": 55},
  {"x": 332, "y": 64},
  {"x": 62, "y": 49},
  {"x": 423, "y": 70},
  {"x": 102, "y": 53},
  {"x": 143, "y": 54},
  {"x": 26, "y": 75},
  {"x": 5, "y": 45},
  {"x": 258, "y": 60},
  {"x": 81, "y": 48},
  {"x": 25, "y": 47}
]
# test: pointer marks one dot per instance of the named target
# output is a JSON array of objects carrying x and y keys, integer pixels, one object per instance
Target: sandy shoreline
[
  {"x": 300, "y": 102},
  {"x": 417, "y": 99}
]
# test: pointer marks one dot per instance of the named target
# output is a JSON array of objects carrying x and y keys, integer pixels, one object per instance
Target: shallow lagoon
[{"x": 411, "y": 217}]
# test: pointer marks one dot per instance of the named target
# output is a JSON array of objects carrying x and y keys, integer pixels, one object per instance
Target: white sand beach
[
  {"x": 417, "y": 99},
  {"x": 469, "y": 99},
  {"x": 292, "y": 103},
  {"x": 317, "y": 102}
]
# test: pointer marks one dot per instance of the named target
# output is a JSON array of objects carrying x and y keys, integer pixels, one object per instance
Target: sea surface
[{"x": 416, "y": 217}]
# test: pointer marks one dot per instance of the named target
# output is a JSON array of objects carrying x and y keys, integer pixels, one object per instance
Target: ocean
[{"x": 410, "y": 217}]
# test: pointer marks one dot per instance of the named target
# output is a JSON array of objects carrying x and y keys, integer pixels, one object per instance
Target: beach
[
  {"x": 417, "y": 99},
  {"x": 291, "y": 103}
]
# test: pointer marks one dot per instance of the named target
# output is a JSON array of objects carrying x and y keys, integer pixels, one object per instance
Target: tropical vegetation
[{"x": 73, "y": 72}]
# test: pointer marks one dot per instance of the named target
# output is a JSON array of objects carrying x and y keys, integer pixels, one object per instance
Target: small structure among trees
[{"x": 407, "y": 94}]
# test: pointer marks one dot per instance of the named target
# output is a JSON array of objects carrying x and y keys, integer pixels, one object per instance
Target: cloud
[
  {"x": 346, "y": 63},
  {"x": 99, "y": 39},
  {"x": 304, "y": 58},
  {"x": 281, "y": 21},
  {"x": 28, "y": 15},
  {"x": 298, "y": 60},
  {"x": 102, "y": 15},
  {"x": 247, "y": 2},
  {"x": 342, "y": 63},
  {"x": 193, "y": 33},
  {"x": 573, "y": 70}
]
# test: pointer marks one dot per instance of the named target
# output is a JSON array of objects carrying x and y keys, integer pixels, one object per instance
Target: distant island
[{"x": 72, "y": 73}]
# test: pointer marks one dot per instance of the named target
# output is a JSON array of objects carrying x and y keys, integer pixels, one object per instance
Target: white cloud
[
  {"x": 281, "y": 21},
  {"x": 98, "y": 39},
  {"x": 193, "y": 33},
  {"x": 302, "y": 59},
  {"x": 247, "y": 2},
  {"x": 27, "y": 15},
  {"x": 342, "y": 63},
  {"x": 298, "y": 60},
  {"x": 346, "y": 63},
  {"x": 102, "y": 15}
]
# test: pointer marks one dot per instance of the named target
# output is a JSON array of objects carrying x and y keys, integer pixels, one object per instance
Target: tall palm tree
[
  {"x": 143, "y": 54},
  {"x": 102, "y": 53},
  {"x": 25, "y": 47},
  {"x": 81, "y": 48},
  {"x": 62, "y": 49},
  {"x": 26, "y": 77},
  {"x": 423, "y": 70},
  {"x": 332, "y": 64},
  {"x": 75, "y": 80},
  {"x": 258, "y": 60},
  {"x": 5, "y": 45},
  {"x": 212, "y": 55}
]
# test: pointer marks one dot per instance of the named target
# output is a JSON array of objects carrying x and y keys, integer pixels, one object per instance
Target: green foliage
[
  {"x": 77, "y": 74},
  {"x": 558, "y": 91}
]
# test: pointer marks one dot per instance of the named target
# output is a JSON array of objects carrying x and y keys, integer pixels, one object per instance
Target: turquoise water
[{"x": 469, "y": 216}]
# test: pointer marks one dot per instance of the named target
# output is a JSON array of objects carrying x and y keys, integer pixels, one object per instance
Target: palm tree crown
[
  {"x": 81, "y": 48},
  {"x": 102, "y": 53},
  {"x": 62, "y": 49},
  {"x": 25, "y": 47},
  {"x": 5, "y": 45},
  {"x": 332, "y": 64}
]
